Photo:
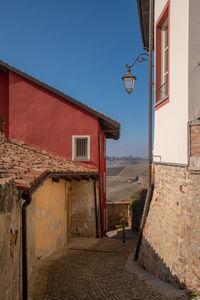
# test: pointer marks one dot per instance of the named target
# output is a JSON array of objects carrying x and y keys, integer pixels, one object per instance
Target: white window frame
[
  {"x": 164, "y": 63},
  {"x": 74, "y": 139}
]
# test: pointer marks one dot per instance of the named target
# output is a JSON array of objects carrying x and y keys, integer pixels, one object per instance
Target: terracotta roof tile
[{"x": 27, "y": 165}]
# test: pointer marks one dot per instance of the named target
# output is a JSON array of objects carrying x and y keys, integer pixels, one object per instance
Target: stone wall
[
  {"x": 170, "y": 247},
  {"x": 115, "y": 212},
  {"x": 83, "y": 222},
  {"x": 10, "y": 239}
]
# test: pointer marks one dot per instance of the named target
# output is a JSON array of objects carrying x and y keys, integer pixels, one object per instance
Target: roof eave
[
  {"x": 29, "y": 190},
  {"x": 141, "y": 12},
  {"x": 101, "y": 116},
  {"x": 111, "y": 130}
]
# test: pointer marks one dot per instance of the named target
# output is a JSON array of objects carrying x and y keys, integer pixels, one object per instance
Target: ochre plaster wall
[
  {"x": 170, "y": 247},
  {"x": 10, "y": 242},
  {"x": 51, "y": 217},
  {"x": 47, "y": 220},
  {"x": 83, "y": 221}
]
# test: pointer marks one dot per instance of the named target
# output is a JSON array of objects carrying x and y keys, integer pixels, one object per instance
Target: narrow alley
[{"x": 91, "y": 269}]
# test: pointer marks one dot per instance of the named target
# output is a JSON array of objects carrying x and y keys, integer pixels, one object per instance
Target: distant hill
[
  {"x": 119, "y": 170},
  {"x": 123, "y": 161}
]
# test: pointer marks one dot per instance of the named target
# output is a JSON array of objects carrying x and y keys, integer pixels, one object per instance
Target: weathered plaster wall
[
  {"x": 51, "y": 221},
  {"x": 10, "y": 236},
  {"x": 83, "y": 208},
  {"x": 47, "y": 220},
  {"x": 170, "y": 248}
]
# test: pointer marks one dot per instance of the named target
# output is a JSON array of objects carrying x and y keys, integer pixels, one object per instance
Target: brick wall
[
  {"x": 170, "y": 247},
  {"x": 10, "y": 236}
]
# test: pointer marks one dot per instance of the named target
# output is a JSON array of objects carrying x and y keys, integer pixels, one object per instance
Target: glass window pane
[
  {"x": 166, "y": 61},
  {"x": 166, "y": 78},
  {"x": 166, "y": 37}
]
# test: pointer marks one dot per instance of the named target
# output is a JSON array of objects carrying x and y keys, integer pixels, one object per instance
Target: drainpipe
[
  {"x": 100, "y": 179},
  {"x": 149, "y": 192},
  {"x": 27, "y": 198},
  {"x": 100, "y": 184},
  {"x": 96, "y": 213}
]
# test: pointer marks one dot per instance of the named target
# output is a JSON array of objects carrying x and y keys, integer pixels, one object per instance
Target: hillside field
[{"x": 117, "y": 185}]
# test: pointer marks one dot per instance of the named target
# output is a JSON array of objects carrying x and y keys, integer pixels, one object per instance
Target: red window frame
[{"x": 158, "y": 64}]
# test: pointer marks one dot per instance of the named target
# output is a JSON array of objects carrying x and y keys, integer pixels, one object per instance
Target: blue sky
[{"x": 80, "y": 47}]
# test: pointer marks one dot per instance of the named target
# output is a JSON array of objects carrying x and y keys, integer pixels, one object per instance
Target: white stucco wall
[
  {"x": 159, "y": 5},
  {"x": 170, "y": 133},
  {"x": 194, "y": 60}
]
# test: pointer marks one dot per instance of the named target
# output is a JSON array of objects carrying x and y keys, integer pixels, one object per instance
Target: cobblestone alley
[{"x": 91, "y": 269}]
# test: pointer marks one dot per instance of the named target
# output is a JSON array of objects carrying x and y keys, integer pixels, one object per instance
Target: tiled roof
[{"x": 28, "y": 165}]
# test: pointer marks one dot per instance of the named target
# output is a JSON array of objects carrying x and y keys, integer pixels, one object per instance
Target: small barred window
[{"x": 80, "y": 148}]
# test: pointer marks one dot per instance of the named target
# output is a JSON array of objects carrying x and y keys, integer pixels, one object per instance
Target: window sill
[
  {"x": 161, "y": 103},
  {"x": 81, "y": 159}
]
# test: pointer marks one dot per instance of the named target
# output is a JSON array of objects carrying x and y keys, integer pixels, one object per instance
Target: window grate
[{"x": 81, "y": 147}]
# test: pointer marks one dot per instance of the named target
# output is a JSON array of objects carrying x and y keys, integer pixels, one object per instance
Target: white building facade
[{"x": 171, "y": 239}]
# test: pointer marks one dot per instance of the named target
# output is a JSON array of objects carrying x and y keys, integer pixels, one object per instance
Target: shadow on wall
[
  {"x": 153, "y": 263},
  {"x": 137, "y": 207}
]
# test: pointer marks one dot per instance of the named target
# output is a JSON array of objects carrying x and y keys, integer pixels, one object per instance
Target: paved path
[{"x": 91, "y": 269}]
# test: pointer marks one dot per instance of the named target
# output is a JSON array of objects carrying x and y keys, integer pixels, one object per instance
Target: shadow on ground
[{"x": 118, "y": 234}]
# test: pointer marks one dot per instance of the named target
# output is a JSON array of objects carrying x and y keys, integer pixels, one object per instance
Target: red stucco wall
[
  {"x": 4, "y": 77},
  {"x": 48, "y": 121},
  {"x": 45, "y": 120}
]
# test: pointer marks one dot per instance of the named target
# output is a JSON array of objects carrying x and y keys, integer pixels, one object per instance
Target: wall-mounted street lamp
[{"x": 129, "y": 78}]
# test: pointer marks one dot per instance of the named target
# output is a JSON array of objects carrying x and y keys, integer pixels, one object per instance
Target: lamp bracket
[{"x": 140, "y": 58}]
